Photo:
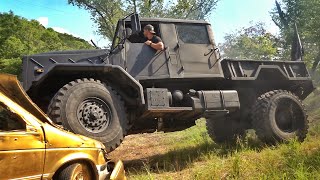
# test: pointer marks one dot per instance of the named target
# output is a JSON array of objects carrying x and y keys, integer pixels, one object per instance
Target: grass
[{"x": 193, "y": 155}]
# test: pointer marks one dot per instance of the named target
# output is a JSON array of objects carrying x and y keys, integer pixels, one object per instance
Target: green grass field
[{"x": 191, "y": 154}]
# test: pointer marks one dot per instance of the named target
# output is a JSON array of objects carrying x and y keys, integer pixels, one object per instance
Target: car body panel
[
  {"x": 118, "y": 172},
  {"x": 23, "y": 163},
  {"x": 21, "y": 151}
]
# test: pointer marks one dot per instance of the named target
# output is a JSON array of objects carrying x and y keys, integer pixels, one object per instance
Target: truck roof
[{"x": 171, "y": 20}]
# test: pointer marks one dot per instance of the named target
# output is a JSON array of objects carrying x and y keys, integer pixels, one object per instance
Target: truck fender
[{"x": 115, "y": 71}]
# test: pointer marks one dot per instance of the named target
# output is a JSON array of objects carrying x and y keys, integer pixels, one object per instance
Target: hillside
[
  {"x": 19, "y": 37},
  {"x": 191, "y": 154}
]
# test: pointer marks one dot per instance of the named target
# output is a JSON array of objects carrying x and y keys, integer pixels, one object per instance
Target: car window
[
  {"x": 192, "y": 34},
  {"x": 10, "y": 121}
]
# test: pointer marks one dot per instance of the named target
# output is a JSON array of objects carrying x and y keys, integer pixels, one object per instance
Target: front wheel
[
  {"x": 90, "y": 108},
  {"x": 74, "y": 172},
  {"x": 279, "y": 116}
]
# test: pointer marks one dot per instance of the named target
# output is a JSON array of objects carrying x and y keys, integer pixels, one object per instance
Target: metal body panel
[
  {"x": 195, "y": 63},
  {"x": 46, "y": 61},
  {"x": 170, "y": 20},
  {"x": 114, "y": 72},
  {"x": 20, "y": 160},
  {"x": 143, "y": 61},
  {"x": 251, "y": 70},
  {"x": 170, "y": 40}
]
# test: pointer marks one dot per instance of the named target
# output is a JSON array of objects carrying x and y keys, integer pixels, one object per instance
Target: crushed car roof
[{"x": 11, "y": 87}]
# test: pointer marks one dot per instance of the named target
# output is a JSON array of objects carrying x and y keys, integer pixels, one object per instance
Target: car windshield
[{"x": 10, "y": 121}]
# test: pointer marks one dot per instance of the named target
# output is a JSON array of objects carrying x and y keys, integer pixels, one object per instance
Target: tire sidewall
[
  {"x": 280, "y": 134},
  {"x": 80, "y": 92}
]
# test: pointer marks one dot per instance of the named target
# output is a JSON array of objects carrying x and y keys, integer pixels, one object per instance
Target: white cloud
[
  {"x": 61, "y": 30},
  {"x": 44, "y": 21},
  {"x": 64, "y": 31},
  {"x": 273, "y": 29},
  {"x": 99, "y": 40}
]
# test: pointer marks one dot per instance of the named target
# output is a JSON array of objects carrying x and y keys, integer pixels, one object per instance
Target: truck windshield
[{"x": 118, "y": 37}]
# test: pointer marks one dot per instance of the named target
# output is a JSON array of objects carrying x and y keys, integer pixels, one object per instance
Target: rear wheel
[
  {"x": 224, "y": 129},
  {"x": 77, "y": 171},
  {"x": 279, "y": 116},
  {"x": 91, "y": 108}
]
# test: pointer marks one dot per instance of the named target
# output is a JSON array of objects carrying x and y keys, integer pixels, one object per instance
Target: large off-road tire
[
  {"x": 75, "y": 171},
  {"x": 224, "y": 129},
  {"x": 89, "y": 107},
  {"x": 279, "y": 116}
]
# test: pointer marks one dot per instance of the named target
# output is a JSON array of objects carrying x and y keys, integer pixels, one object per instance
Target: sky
[{"x": 229, "y": 16}]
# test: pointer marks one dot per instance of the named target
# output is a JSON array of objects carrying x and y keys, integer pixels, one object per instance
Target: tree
[
  {"x": 192, "y": 9},
  {"x": 106, "y": 13},
  {"x": 19, "y": 37},
  {"x": 253, "y": 42},
  {"x": 305, "y": 14}
]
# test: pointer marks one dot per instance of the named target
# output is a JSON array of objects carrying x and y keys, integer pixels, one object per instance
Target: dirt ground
[{"x": 139, "y": 148}]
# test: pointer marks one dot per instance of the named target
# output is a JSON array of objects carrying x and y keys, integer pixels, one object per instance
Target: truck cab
[{"x": 189, "y": 51}]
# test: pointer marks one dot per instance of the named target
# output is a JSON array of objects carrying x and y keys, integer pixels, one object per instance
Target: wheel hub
[
  {"x": 287, "y": 116},
  {"x": 94, "y": 115}
]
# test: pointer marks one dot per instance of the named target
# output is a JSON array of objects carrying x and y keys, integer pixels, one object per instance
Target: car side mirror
[{"x": 31, "y": 128}]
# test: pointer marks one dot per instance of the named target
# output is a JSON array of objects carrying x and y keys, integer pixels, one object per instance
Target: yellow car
[{"x": 33, "y": 147}]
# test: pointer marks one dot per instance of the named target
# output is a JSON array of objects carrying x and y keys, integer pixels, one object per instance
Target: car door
[
  {"x": 196, "y": 51},
  {"x": 22, "y": 146}
]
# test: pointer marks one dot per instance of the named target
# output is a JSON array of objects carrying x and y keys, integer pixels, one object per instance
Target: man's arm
[{"x": 156, "y": 46}]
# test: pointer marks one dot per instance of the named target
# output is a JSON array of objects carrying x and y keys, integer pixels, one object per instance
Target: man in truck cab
[{"x": 153, "y": 40}]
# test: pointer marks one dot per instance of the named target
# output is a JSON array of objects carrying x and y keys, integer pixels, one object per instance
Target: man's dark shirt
[{"x": 155, "y": 39}]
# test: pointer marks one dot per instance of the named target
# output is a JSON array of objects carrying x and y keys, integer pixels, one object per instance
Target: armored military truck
[{"x": 132, "y": 88}]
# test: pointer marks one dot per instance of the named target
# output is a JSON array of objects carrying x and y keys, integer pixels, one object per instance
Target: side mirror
[
  {"x": 120, "y": 46},
  {"x": 128, "y": 32},
  {"x": 31, "y": 128},
  {"x": 135, "y": 23},
  {"x": 217, "y": 53}
]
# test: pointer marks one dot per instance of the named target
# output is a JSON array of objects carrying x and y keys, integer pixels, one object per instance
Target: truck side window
[
  {"x": 192, "y": 34},
  {"x": 139, "y": 37},
  {"x": 10, "y": 121}
]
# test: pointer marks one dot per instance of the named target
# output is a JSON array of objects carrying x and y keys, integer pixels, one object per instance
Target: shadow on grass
[{"x": 179, "y": 158}]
